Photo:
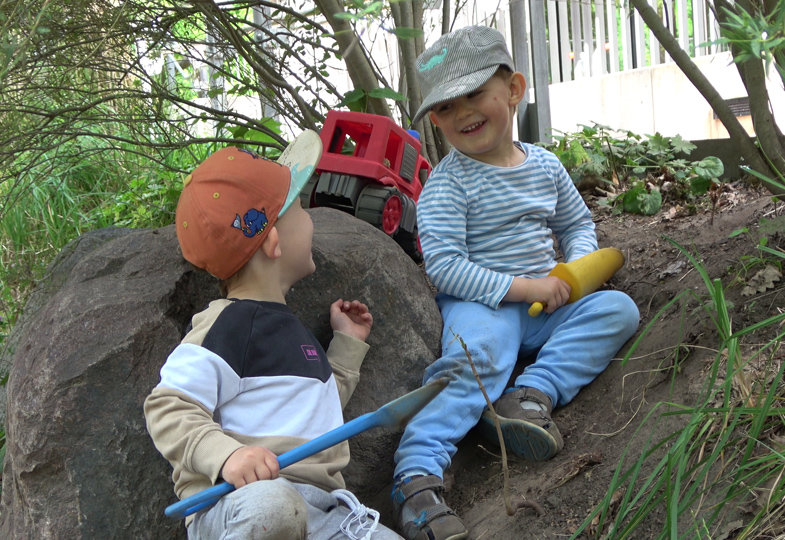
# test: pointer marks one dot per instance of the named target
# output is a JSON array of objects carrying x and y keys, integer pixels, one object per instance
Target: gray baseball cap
[{"x": 459, "y": 63}]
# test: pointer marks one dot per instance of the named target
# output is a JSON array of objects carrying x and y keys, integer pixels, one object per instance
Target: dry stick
[{"x": 505, "y": 470}]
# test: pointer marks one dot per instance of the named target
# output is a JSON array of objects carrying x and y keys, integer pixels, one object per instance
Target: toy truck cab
[{"x": 371, "y": 168}]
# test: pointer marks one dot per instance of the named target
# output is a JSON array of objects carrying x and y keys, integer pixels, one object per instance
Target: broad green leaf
[
  {"x": 407, "y": 33},
  {"x": 356, "y": 100},
  {"x": 373, "y": 8},
  {"x": 658, "y": 143},
  {"x": 755, "y": 46},
  {"x": 638, "y": 200},
  {"x": 259, "y": 136},
  {"x": 353, "y": 96},
  {"x": 682, "y": 146},
  {"x": 238, "y": 132},
  {"x": 700, "y": 184},
  {"x": 574, "y": 155},
  {"x": 712, "y": 166},
  {"x": 386, "y": 93}
]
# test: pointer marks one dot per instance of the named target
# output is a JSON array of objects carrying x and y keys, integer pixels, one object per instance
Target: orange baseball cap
[{"x": 230, "y": 202}]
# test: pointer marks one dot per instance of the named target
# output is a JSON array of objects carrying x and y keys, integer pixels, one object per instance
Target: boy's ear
[
  {"x": 271, "y": 247},
  {"x": 517, "y": 87},
  {"x": 432, "y": 116}
]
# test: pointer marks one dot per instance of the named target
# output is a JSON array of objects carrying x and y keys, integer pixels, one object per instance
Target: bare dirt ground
[{"x": 669, "y": 365}]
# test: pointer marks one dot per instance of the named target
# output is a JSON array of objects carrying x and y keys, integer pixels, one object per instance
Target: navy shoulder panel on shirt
[{"x": 265, "y": 339}]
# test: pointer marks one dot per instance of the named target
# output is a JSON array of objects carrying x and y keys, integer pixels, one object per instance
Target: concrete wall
[{"x": 656, "y": 99}]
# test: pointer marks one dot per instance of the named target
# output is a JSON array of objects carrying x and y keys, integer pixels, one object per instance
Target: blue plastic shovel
[{"x": 394, "y": 414}]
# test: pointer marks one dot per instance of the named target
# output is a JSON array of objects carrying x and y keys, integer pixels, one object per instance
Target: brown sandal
[{"x": 420, "y": 511}]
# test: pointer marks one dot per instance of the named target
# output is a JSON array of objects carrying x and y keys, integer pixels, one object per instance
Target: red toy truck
[{"x": 371, "y": 168}]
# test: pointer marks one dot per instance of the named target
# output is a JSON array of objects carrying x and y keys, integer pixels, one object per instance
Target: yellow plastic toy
[{"x": 585, "y": 275}]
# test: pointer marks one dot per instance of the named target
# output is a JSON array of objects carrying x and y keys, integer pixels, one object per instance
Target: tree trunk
[
  {"x": 410, "y": 14},
  {"x": 359, "y": 67},
  {"x": 405, "y": 16}
]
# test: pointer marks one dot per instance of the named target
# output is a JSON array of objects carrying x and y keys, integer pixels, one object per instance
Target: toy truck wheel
[
  {"x": 410, "y": 243},
  {"x": 391, "y": 215},
  {"x": 381, "y": 207}
]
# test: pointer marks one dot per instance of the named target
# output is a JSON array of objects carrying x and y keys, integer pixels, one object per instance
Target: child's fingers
[{"x": 357, "y": 306}]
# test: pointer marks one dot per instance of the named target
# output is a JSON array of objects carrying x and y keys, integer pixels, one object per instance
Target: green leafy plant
[
  {"x": 756, "y": 35},
  {"x": 636, "y": 173},
  {"x": 357, "y": 100},
  {"x": 638, "y": 199}
]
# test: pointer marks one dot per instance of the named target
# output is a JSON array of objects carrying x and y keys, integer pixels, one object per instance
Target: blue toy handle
[
  {"x": 394, "y": 414},
  {"x": 210, "y": 496}
]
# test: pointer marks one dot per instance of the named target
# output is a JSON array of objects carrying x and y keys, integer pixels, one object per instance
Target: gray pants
[{"x": 273, "y": 509}]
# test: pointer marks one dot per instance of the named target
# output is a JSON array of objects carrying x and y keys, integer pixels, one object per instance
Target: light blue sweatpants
[{"x": 576, "y": 343}]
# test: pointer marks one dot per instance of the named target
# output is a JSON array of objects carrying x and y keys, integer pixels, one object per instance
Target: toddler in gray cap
[{"x": 487, "y": 219}]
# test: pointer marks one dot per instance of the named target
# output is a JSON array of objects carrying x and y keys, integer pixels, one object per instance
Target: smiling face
[{"x": 480, "y": 123}]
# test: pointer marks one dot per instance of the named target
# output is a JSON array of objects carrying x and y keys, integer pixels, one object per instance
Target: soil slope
[{"x": 669, "y": 365}]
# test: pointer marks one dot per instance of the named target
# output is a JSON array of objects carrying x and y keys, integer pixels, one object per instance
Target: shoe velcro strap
[
  {"x": 417, "y": 528},
  {"x": 421, "y": 483},
  {"x": 532, "y": 394},
  {"x": 437, "y": 510}
]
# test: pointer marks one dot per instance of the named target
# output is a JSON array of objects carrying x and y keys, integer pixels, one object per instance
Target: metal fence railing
[{"x": 587, "y": 38}]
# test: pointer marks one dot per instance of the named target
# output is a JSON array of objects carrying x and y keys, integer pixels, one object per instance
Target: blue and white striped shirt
[{"x": 480, "y": 225}]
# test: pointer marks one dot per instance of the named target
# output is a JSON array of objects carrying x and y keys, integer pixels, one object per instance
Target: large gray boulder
[{"x": 88, "y": 348}]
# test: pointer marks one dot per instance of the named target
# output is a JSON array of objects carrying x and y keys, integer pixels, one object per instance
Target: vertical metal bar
[
  {"x": 613, "y": 36},
  {"x": 520, "y": 54},
  {"x": 553, "y": 41},
  {"x": 588, "y": 37},
  {"x": 626, "y": 35},
  {"x": 541, "y": 94},
  {"x": 599, "y": 22},
  {"x": 564, "y": 41},
  {"x": 654, "y": 45},
  {"x": 699, "y": 26},
  {"x": 639, "y": 42},
  {"x": 575, "y": 28},
  {"x": 714, "y": 31},
  {"x": 684, "y": 28}
]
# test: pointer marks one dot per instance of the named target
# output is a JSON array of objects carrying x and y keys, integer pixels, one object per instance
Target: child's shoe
[
  {"x": 528, "y": 432},
  {"x": 420, "y": 511}
]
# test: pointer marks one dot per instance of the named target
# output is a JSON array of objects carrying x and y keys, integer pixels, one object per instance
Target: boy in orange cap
[{"x": 249, "y": 381}]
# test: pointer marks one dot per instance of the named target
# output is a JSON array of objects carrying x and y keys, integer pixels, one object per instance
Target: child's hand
[
  {"x": 249, "y": 464},
  {"x": 352, "y": 318},
  {"x": 550, "y": 291}
]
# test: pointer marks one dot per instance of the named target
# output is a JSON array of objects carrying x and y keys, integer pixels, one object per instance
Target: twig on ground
[{"x": 508, "y": 503}]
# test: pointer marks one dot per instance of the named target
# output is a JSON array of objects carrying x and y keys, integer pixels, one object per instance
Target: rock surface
[{"x": 91, "y": 341}]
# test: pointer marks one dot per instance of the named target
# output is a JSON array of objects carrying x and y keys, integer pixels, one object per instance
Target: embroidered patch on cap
[{"x": 253, "y": 222}]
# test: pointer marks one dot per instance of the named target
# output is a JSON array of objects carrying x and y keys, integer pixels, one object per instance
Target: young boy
[
  {"x": 249, "y": 381},
  {"x": 486, "y": 218}
]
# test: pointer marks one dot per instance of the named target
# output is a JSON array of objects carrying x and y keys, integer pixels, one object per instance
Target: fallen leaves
[
  {"x": 573, "y": 468},
  {"x": 764, "y": 279},
  {"x": 595, "y": 528}
]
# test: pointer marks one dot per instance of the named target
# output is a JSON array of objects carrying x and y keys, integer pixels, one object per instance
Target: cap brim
[
  {"x": 455, "y": 88},
  {"x": 301, "y": 156}
]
